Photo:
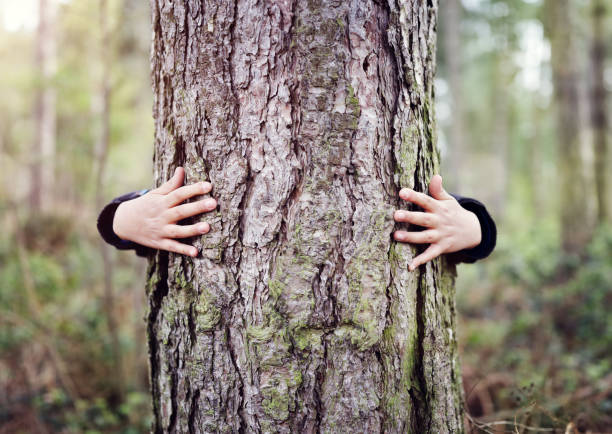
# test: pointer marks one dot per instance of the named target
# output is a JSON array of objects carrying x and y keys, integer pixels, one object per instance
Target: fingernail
[
  {"x": 210, "y": 202},
  {"x": 401, "y": 214},
  {"x": 411, "y": 267}
]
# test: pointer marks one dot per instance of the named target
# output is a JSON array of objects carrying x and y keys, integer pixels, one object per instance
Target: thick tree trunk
[
  {"x": 301, "y": 315},
  {"x": 574, "y": 221},
  {"x": 599, "y": 111}
]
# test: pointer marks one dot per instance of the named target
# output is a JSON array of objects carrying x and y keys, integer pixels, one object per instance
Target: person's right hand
[{"x": 151, "y": 219}]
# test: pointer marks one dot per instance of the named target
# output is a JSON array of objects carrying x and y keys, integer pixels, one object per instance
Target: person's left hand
[{"x": 450, "y": 226}]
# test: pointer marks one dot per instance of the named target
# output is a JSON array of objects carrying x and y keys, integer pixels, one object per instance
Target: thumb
[
  {"x": 436, "y": 189},
  {"x": 173, "y": 183}
]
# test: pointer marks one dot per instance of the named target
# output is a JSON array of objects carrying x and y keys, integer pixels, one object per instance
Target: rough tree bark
[{"x": 300, "y": 315}]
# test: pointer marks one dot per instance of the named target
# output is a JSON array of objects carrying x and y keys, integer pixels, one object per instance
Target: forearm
[{"x": 488, "y": 232}]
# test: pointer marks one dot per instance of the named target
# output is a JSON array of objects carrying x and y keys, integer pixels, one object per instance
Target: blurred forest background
[{"x": 523, "y": 125}]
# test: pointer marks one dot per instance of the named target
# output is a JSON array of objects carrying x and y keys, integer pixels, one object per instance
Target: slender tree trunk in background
[
  {"x": 452, "y": 48},
  {"x": 43, "y": 166},
  {"x": 535, "y": 159},
  {"x": 599, "y": 112},
  {"x": 500, "y": 105},
  {"x": 300, "y": 315},
  {"x": 574, "y": 221},
  {"x": 101, "y": 152}
]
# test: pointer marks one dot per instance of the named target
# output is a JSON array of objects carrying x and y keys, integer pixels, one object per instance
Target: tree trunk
[
  {"x": 599, "y": 112},
  {"x": 300, "y": 315},
  {"x": 43, "y": 166},
  {"x": 574, "y": 221}
]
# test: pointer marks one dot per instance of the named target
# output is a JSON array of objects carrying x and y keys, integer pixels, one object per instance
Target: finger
[
  {"x": 430, "y": 253},
  {"x": 420, "y": 199},
  {"x": 190, "y": 209},
  {"x": 182, "y": 194},
  {"x": 423, "y": 237},
  {"x": 417, "y": 218},
  {"x": 176, "y": 247},
  {"x": 436, "y": 189},
  {"x": 184, "y": 231},
  {"x": 173, "y": 183}
]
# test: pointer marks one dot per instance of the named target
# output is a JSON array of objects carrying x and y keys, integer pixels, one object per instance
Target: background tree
[
  {"x": 43, "y": 152},
  {"x": 300, "y": 315},
  {"x": 574, "y": 217},
  {"x": 101, "y": 155},
  {"x": 599, "y": 108},
  {"x": 451, "y": 17}
]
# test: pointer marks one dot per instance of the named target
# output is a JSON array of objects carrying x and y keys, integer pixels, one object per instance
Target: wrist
[
  {"x": 475, "y": 232},
  {"x": 118, "y": 226}
]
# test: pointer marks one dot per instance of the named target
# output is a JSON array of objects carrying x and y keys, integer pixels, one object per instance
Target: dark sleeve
[
  {"x": 105, "y": 225},
  {"x": 487, "y": 226}
]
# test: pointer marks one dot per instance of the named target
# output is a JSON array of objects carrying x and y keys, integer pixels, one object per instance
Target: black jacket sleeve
[
  {"x": 487, "y": 226},
  {"x": 105, "y": 225}
]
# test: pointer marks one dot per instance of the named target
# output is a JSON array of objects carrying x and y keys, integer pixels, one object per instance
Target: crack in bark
[
  {"x": 192, "y": 410},
  {"x": 186, "y": 24},
  {"x": 173, "y": 398},
  {"x": 160, "y": 291},
  {"x": 319, "y": 379},
  {"x": 421, "y": 409},
  {"x": 237, "y": 296}
]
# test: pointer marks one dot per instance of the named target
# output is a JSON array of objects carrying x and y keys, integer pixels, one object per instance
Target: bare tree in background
[
  {"x": 599, "y": 112},
  {"x": 43, "y": 153},
  {"x": 101, "y": 155},
  {"x": 452, "y": 49},
  {"x": 301, "y": 314},
  {"x": 575, "y": 229}
]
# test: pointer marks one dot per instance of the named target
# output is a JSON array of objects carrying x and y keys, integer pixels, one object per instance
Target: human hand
[
  {"x": 451, "y": 227},
  {"x": 150, "y": 220}
]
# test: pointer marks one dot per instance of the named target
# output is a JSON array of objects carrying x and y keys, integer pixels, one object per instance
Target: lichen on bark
[{"x": 300, "y": 315}]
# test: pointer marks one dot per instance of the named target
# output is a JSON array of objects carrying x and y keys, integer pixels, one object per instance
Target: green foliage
[
  {"x": 543, "y": 325},
  {"x": 95, "y": 415}
]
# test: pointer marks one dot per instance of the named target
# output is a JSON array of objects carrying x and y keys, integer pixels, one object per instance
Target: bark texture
[{"x": 300, "y": 315}]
